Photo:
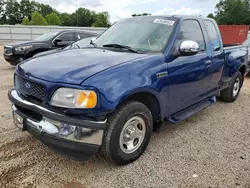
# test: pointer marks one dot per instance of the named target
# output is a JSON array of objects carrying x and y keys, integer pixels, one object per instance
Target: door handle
[{"x": 208, "y": 63}]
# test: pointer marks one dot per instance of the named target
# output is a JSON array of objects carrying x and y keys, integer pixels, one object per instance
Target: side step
[{"x": 184, "y": 114}]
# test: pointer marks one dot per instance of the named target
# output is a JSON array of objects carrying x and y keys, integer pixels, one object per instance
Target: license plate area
[{"x": 18, "y": 120}]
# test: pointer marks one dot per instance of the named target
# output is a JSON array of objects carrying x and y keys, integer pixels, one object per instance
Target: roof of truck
[{"x": 174, "y": 16}]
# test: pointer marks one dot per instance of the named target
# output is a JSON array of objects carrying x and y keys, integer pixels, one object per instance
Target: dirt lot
[{"x": 211, "y": 149}]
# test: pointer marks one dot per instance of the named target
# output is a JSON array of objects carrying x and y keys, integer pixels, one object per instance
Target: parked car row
[
  {"x": 107, "y": 96},
  {"x": 16, "y": 52}
]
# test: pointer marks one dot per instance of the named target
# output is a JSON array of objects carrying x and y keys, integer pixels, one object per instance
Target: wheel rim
[
  {"x": 236, "y": 87},
  {"x": 132, "y": 134}
]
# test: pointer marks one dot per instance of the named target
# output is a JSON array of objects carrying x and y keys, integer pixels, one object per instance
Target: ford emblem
[{"x": 27, "y": 85}]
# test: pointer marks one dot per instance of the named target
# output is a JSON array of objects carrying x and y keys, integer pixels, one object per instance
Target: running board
[{"x": 184, "y": 114}]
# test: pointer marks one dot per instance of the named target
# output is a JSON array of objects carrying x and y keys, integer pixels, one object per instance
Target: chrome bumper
[
  {"x": 73, "y": 133},
  {"x": 58, "y": 125}
]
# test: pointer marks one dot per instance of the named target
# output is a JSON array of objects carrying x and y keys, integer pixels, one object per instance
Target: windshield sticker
[{"x": 165, "y": 22}]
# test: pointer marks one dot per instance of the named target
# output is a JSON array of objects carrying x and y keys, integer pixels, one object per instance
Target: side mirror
[
  {"x": 57, "y": 40},
  {"x": 188, "y": 48}
]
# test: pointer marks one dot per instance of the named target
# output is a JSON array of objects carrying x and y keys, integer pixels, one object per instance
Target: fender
[
  {"x": 37, "y": 47},
  {"x": 122, "y": 81},
  {"x": 139, "y": 90},
  {"x": 234, "y": 63}
]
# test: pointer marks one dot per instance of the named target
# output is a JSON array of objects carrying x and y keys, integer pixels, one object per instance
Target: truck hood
[{"x": 73, "y": 66}]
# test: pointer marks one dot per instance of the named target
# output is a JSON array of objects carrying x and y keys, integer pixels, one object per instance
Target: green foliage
[
  {"x": 101, "y": 20},
  {"x": 210, "y": 16},
  {"x": 82, "y": 17},
  {"x": 44, "y": 10},
  {"x": 53, "y": 19},
  {"x": 66, "y": 19},
  {"x": 2, "y": 11},
  {"x": 233, "y": 12},
  {"x": 20, "y": 11},
  {"x": 26, "y": 8},
  {"x": 12, "y": 12},
  {"x": 25, "y": 21},
  {"x": 37, "y": 19}
]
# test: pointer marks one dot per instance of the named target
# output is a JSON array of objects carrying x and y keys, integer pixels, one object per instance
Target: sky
[{"x": 119, "y": 9}]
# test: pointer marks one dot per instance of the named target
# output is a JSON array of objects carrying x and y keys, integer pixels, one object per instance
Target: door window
[
  {"x": 69, "y": 36},
  {"x": 213, "y": 36},
  {"x": 82, "y": 35},
  {"x": 191, "y": 30}
]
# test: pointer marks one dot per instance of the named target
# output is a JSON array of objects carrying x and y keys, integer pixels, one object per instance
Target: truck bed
[{"x": 234, "y": 56}]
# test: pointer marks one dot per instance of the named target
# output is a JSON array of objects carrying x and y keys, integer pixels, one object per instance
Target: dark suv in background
[{"x": 19, "y": 51}]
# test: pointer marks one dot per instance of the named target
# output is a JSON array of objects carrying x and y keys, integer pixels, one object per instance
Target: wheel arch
[
  {"x": 242, "y": 70},
  {"x": 149, "y": 99}
]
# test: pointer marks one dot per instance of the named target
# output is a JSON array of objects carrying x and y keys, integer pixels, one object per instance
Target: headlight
[
  {"x": 22, "y": 48},
  {"x": 74, "y": 98}
]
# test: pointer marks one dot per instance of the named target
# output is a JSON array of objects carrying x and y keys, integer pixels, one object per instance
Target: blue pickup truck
[{"x": 109, "y": 95}]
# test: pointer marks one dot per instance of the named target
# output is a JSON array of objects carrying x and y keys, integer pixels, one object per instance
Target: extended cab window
[
  {"x": 213, "y": 35},
  {"x": 69, "y": 36},
  {"x": 191, "y": 30}
]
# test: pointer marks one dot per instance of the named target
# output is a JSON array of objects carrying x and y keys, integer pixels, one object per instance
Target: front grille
[
  {"x": 29, "y": 88},
  {"x": 7, "y": 50}
]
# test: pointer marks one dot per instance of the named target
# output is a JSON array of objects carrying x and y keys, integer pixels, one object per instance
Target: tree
[
  {"x": 12, "y": 12},
  {"x": 44, "y": 9},
  {"x": 25, "y": 21},
  {"x": 26, "y": 9},
  {"x": 37, "y": 19},
  {"x": 53, "y": 19},
  {"x": 101, "y": 20},
  {"x": 2, "y": 11},
  {"x": 65, "y": 19},
  {"x": 83, "y": 17},
  {"x": 20, "y": 11},
  {"x": 210, "y": 16},
  {"x": 233, "y": 12}
]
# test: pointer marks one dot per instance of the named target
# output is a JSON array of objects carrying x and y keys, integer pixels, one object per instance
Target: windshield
[
  {"x": 84, "y": 42},
  {"x": 46, "y": 36},
  {"x": 144, "y": 34}
]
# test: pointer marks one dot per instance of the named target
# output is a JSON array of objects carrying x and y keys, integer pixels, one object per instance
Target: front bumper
[
  {"x": 81, "y": 140},
  {"x": 13, "y": 59}
]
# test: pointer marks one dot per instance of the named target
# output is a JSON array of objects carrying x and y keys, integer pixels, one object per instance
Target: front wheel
[
  {"x": 129, "y": 132},
  {"x": 231, "y": 93}
]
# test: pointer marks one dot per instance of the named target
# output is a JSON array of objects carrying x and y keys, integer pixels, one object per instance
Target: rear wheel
[
  {"x": 129, "y": 132},
  {"x": 231, "y": 93}
]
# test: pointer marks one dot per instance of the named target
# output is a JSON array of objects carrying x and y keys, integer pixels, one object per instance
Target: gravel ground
[{"x": 210, "y": 149}]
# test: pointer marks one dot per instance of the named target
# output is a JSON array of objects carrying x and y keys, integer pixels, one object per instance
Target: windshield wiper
[
  {"x": 94, "y": 44},
  {"x": 121, "y": 46}
]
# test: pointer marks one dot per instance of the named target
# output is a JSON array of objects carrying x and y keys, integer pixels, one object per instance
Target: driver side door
[
  {"x": 66, "y": 39},
  {"x": 188, "y": 75}
]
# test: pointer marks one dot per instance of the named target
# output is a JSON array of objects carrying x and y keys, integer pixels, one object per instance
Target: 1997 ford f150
[{"x": 139, "y": 72}]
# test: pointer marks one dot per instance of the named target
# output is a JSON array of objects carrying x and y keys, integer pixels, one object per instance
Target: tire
[
  {"x": 120, "y": 131},
  {"x": 229, "y": 94}
]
